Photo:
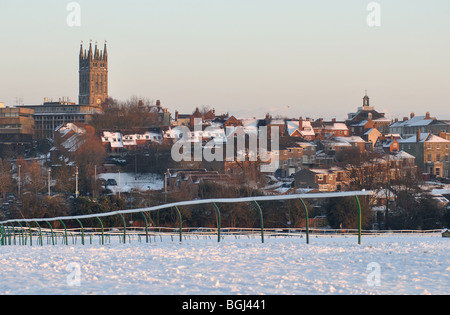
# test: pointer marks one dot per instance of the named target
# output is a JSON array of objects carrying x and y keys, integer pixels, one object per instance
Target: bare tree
[
  {"x": 35, "y": 178},
  {"x": 6, "y": 181}
]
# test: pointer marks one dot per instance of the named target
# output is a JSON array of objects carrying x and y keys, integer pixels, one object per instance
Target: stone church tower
[{"x": 93, "y": 76}]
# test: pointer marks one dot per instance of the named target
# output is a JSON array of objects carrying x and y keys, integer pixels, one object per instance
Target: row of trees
[{"x": 132, "y": 113}]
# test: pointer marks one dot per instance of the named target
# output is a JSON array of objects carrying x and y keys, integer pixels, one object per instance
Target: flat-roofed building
[
  {"x": 16, "y": 127},
  {"x": 51, "y": 115}
]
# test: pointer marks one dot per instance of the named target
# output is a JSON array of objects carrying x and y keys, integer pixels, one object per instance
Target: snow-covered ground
[
  {"x": 381, "y": 265},
  {"x": 128, "y": 181}
]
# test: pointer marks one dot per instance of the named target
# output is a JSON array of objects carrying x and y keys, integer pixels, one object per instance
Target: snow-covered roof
[
  {"x": 424, "y": 137},
  {"x": 66, "y": 128},
  {"x": 350, "y": 139},
  {"x": 114, "y": 138},
  {"x": 402, "y": 155},
  {"x": 416, "y": 121},
  {"x": 307, "y": 129}
]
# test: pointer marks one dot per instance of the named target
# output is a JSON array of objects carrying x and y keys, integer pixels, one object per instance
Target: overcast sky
[{"x": 247, "y": 57}]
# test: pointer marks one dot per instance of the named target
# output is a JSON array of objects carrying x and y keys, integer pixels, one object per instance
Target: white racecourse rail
[{"x": 204, "y": 201}]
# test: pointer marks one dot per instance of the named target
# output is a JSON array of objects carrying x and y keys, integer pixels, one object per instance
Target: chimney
[
  {"x": 158, "y": 103},
  {"x": 418, "y": 136},
  {"x": 300, "y": 124},
  {"x": 333, "y": 120},
  {"x": 428, "y": 116},
  {"x": 412, "y": 115},
  {"x": 176, "y": 115}
]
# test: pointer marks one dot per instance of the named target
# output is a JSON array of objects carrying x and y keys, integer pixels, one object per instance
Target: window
[
  {"x": 320, "y": 177},
  {"x": 429, "y": 157},
  {"x": 438, "y": 158}
]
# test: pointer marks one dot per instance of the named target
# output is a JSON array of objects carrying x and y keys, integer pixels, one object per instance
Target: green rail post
[
  {"x": 124, "y": 229},
  {"x": 12, "y": 236},
  {"x": 14, "y": 233},
  {"x": 31, "y": 234},
  {"x": 180, "y": 220},
  {"x": 261, "y": 219},
  {"x": 65, "y": 232},
  {"x": 307, "y": 220},
  {"x": 359, "y": 219},
  {"x": 22, "y": 233},
  {"x": 103, "y": 230},
  {"x": 7, "y": 239},
  {"x": 146, "y": 226},
  {"x": 2, "y": 230},
  {"x": 82, "y": 231},
  {"x": 40, "y": 233},
  {"x": 219, "y": 223},
  {"x": 51, "y": 232}
]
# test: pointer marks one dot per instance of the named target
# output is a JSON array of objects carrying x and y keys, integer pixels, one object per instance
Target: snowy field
[{"x": 281, "y": 266}]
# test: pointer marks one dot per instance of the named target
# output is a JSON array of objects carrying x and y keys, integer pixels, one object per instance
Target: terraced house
[{"x": 432, "y": 153}]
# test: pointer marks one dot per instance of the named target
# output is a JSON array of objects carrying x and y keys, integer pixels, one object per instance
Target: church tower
[{"x": 93, "y": 76}]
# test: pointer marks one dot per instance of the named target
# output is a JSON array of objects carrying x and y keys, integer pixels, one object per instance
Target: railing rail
[{"x": 8, "y": 228}]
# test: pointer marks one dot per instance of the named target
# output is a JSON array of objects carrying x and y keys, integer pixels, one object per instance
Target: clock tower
[{"x": 93, "y": 76}]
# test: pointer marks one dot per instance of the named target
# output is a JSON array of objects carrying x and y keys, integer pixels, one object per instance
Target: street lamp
[
  {"x": 76, "y": 183},
  {"x": 20, "y": 166},
  {"x": 49, "y": 181}
]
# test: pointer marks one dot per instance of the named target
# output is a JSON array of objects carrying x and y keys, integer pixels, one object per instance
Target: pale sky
[{"x": 290, "y": 57}]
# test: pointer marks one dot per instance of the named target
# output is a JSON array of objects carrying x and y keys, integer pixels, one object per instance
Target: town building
[
  {"x": 321, "y": 179},
  {"x": 425, "y": 124},
  {"x": 326, "y": 129},
  {"x": 432, "y": 153},
  {"x": 292, "y": 155},
  {"x": 69, "y": 138},
  {"x": 301, "y": 128},
  {"x": 363, "y": 116},
  {"x": 16, "y": 127},
  {"x": 51, "y": 115}
]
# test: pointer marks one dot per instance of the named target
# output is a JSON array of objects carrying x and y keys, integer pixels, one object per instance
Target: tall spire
[
  {"x": 81, "y": 50},
  {"x": 105, "y": 52},
  {"x": 90, "y": 51}
]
